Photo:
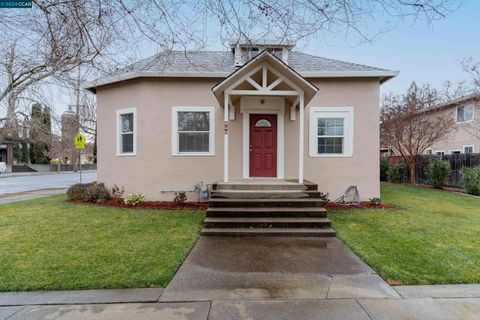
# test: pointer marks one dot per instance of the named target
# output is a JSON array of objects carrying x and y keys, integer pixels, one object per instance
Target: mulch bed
[
  {"x": 169, "y": 205},
  {"x": 165, "y": 205},
  {"x": 362, "y": 205}
]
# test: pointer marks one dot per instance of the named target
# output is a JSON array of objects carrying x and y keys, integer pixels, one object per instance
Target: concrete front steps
[{"x": 266, "y": 208}]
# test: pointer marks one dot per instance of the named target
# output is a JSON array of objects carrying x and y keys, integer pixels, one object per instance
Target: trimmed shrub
[
  {"x": 76, "y": 191},
  {"x": 471, "y": 179},
  {"x": 96, "y": 193},
  {"x": 324, "y": 197},
  {"x": 384, "y": 166},
  {"x": 375, "y": 201},
  {"x": 180, "y": 198},
  {"x": 134, "y": 199},
  {"x": 396, "y": 172},
  {"x": 438, "y": 172}
]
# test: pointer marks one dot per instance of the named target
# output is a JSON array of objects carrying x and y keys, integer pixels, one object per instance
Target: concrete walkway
[
  {"x": 274, "y": 268},
  {"x": 257, "y": 278}
]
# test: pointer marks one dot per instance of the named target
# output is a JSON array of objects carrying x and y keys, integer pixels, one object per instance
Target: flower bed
[
  {"x": 168, "y": 205},
  {"x": 362, "y": 205}
]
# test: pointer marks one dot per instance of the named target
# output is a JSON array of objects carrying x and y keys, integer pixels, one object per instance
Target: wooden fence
[{"x": 457, "y": 161}]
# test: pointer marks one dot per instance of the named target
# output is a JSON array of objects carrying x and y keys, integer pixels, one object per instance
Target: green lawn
[
  {"x": 433, "y": 237},
  {"x": 50, "y": 244}
]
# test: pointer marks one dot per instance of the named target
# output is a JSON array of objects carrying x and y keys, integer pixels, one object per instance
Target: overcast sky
[
  {"x": 422, "y": 54},
  {"x": 425, "y": 54}
]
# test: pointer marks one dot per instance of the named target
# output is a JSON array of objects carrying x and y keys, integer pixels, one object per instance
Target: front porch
[{"x": 270, "y": 98}]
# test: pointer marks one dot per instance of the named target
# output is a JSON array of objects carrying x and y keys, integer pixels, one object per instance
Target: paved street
[{"x": 23, "y": 183}]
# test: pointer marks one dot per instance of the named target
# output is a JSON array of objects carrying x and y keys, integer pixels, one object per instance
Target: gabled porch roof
[{"x": 265, "y": 75}]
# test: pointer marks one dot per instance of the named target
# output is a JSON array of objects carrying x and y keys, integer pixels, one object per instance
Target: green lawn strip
[
  {"x": 432, "y": 237},
  {"x": 50, "y": 244}
]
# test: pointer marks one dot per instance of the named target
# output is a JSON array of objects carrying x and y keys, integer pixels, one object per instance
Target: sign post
[{"x": 79, "y": 143}]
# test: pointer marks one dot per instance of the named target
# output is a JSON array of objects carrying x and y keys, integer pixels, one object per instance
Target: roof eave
[{"x": 384, "y": 76}]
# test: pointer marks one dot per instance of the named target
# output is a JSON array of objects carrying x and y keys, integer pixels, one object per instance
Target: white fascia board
[
  {"x": 147, "y": 74},
  {"x": 340, "y": 74}
]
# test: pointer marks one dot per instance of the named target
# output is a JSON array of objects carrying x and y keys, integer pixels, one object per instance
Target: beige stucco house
[
  {"x": 464, "y": 136},
  {"x": 259, "y": 111}
]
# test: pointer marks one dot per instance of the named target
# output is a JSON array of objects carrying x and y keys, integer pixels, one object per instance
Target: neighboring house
[
  {"x": 177, "y": 118},
  {"x": 465, "y": 135},
  {"x": 6, "y": 155}
]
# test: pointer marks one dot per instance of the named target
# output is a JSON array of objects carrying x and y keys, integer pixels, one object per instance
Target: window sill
[
  {"x": 193, "y": 154},
  {"x": 126, "y": 155},
  {"x": 330, "y": 155},
  {"x": 462, "y": 122}
]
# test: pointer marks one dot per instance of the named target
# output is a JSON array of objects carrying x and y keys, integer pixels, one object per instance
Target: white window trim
[
  {"x": 119, "y": 132},
  {"x": 467, "y": 121},
  {"x": 435, "y": 152},
  {"x": 467, "y": 146},
  {"x": 211, "y": 140},
  {"x": 429, "y": 149},
  {"x": 454, "y": 150},
  {"x": 348, "y": 113}
]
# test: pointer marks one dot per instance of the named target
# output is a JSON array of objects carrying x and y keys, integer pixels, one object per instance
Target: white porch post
[
  {"x": 225, "y": 139},
  {"x": 300, "y": 139}
]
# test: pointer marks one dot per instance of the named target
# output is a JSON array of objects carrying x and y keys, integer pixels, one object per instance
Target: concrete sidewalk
[
  {"x": 298, "y": 309},
  {"x": 28, "y": 195}
]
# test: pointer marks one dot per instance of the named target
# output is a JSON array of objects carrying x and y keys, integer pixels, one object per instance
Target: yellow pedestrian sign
[{"x": 79, "y": 141}]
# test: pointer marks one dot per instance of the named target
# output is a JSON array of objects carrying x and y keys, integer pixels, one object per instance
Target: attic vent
[
  {"x": 247, "y": 51},
  {"x": 253, "y": 52}
]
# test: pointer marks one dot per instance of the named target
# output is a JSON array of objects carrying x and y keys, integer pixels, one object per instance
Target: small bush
[
  {"x": 96, "y": 193},
  {"x": 384, "y": 166},
  {"x": 396, "y": 172},
  {"x": 180, "y": 198},
  {"x": 117, "y": 192},
  {"x": 438, "y": 172},
  {"x": 134, "y": 199},
  {"x": 471, "y": 179},
  {"x": 375, "y": 201},
  {"x": 77, "y": 191},
  {"x": 324, "y": 198}
]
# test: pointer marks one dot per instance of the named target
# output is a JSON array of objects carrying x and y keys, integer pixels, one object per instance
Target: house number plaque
[{"x": 225, "y": 127}]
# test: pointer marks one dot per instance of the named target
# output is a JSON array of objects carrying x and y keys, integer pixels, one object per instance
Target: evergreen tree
[{"x": 40, "y": 134}]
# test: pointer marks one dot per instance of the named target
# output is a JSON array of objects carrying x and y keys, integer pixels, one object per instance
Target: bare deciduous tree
[
  {"x": 411, "y": 124},
  {"x": 55, "y": 37}
]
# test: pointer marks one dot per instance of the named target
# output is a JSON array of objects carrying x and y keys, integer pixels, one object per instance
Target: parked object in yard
[{"x": 351, "y": 196}]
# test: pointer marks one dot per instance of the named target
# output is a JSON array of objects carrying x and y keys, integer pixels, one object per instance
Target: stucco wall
[
  {"x": 460, "y": 134},
  {"x": 154, "y": 169}
]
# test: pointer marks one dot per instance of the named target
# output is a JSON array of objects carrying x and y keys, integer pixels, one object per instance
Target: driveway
[{"x": 23, "y": 183}]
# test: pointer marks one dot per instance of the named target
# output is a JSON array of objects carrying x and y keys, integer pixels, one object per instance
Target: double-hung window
[
  {"x": 468, "y": 149},
  {"x": 192, "y": 130},
  {"x": 331, "y": 131},
  {"x": 465, "y": 113},
  {"x": 127, "y": 132}
]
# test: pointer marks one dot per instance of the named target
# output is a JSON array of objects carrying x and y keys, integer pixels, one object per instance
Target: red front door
[{"x": 263, "y": 145}]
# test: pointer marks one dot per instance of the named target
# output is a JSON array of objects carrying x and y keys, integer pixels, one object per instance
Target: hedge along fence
[{"x": 456, "y": 161}]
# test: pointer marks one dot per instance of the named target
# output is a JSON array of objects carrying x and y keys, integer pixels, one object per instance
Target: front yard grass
[
  {"x": 433, "y": 237},
  {"x": 50, "y": 244}
]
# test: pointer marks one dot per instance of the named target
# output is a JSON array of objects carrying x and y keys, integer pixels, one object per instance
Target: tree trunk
[{"x": 411, "y": 168}]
